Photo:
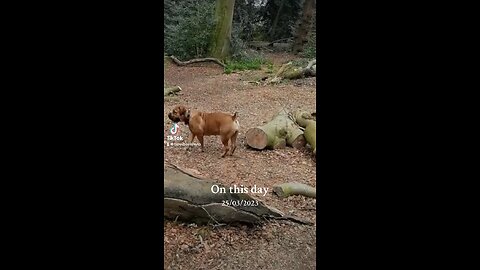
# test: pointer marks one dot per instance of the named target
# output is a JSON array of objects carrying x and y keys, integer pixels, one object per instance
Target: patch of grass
[
  {"x": 246, "y": 60},
  {"x": 269, "y": 67},
  {"x": 310, "y": 49},
  {"x": 245, "y": 64}
]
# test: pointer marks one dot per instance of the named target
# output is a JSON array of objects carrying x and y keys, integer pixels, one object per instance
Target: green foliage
[
  {"x": 289, "y": 13},
  {"x": 190, "y": 24},
  {"x": 245, "y": 20},
  {"x": 310, "y": 49},
  {"x": 188, "y": 28},
  {"x": 245, "y": 61}
]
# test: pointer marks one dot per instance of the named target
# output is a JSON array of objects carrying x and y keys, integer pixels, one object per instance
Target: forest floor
[{"x": 275, "y": 245}]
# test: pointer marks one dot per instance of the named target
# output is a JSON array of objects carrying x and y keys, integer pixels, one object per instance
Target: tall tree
[
  {"x": 271, "y": 32},
  {"x": 221, "y": 42},
  {"x": 304, "y": 25}
]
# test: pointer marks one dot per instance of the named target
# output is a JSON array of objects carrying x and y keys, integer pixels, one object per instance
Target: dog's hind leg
[
  {"x": 233, "y": 142},
  {"x": 225, "y": 145}
]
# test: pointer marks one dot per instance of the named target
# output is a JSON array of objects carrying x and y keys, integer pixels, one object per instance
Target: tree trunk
[
  {"x": 309, "y": 71},
  {"x": 275, "y": 21},
  {"x": 303, "y": 26},
  {"x": 221, "y": 42},
  {"x": 190, "y": 198},
  {"x": 277, "y": 133},
  {"x": 287, "y": 71}
]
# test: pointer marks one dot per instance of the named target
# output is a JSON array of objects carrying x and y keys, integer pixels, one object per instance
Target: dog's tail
[{"x": 234, "y": 116}]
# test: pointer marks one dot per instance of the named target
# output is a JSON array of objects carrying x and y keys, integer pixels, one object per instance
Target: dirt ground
[{"x": 276, "y": 245}]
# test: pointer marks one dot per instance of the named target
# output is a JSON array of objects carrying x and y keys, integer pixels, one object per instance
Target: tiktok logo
[{"x": 175, "y": 128}]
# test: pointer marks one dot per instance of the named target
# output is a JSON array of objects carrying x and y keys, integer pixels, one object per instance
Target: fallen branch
[
  {"x": 171, "y": 91},
  {"x": 278, "y": 40},
  {"x": 294, "y": 188},
  {"x": 308, "y": 71},
  {"x": 294, "y": 219},
  {"x": 198, "y": 60},
  {"x": 277, "y": 78},
  {"x": 287, "y": 71}
]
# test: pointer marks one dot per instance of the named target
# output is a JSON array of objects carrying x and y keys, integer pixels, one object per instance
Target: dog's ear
[{"x": 181, "y": 110}]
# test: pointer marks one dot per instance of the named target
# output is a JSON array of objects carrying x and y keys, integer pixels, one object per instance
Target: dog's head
[{"x": 179, "y": 114}]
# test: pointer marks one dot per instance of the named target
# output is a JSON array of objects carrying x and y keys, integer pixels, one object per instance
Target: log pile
[
  {"x": 281, "y": 131},
  {"x": 294, "y": 129}
]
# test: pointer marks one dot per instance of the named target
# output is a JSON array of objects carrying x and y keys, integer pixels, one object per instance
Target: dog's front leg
[{"x": 200, "y": 138}]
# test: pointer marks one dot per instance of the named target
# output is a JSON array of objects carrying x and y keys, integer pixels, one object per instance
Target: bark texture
[
  {"x": 304, "y": 26},
  {"x": 190, "y": 198},
  {"x": 276, "y": 134},
  {"x": 221, "y": 42}
]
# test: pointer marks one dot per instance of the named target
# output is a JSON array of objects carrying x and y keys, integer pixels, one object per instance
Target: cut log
[
  {"x": 294, "y": 188},
  {"x": 171, "y": 91},
  {"x": 276, "y": 134},
  {"x": 307, "y": 121},
  {"x": 190, "y": 198},
  {"x": 197, "y": 60}
]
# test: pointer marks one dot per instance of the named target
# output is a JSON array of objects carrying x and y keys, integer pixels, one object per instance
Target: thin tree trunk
[
  {"x": 304, "y": 26},
  {"x": 275, "y": 21},
  {"x": 221, "y": 42}
]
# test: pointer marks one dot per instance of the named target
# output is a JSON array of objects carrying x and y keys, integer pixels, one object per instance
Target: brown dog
[{"x": 206, "y": 124}]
